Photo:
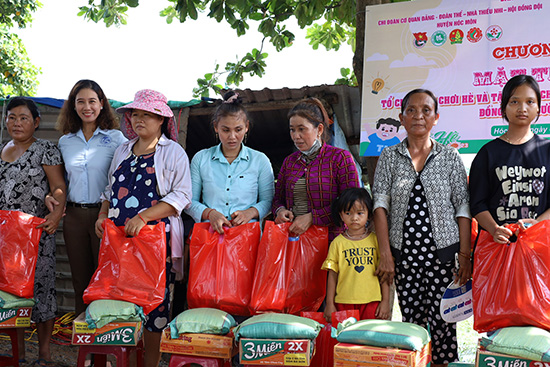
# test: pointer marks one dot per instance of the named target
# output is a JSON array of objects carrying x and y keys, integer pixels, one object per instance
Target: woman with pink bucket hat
[{"x": 149, "y": 181}]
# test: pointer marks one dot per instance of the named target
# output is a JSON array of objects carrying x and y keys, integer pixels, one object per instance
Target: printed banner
[{"x": 463, "y": 51}]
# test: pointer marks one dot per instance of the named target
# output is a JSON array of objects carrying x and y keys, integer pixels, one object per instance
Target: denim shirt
[{"x": 245, "y": 183}]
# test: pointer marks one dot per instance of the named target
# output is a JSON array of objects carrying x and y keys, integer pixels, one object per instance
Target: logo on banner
[
  {"x": 420, "y": 39},
  {"x": 439, "y": 38},
  {"x": 456, "y": 36},
  {"x": 493, "y": 33},
  {"x": 474, "y": 35}
]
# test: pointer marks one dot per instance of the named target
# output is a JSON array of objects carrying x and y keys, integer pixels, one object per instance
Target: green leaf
[
  {"x": 229, "y": 15},
  {"x": 256, "y": 16},
  {"x": 267, "y": 27},
  {"x": 241, "y": 27},
  {"x": 301, "y": 14},
  {"x": 348, "y": 78},
  {"x": 17, "y": 74},
  {"x": 216, "y": 10},
  {"x": 192, "y": 10}
]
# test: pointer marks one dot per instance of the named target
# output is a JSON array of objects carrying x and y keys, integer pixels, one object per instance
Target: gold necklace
[{"x": 359, "y": 237}]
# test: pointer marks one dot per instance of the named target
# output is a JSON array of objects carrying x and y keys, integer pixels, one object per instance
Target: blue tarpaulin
[{"x": 58, "y": 103}]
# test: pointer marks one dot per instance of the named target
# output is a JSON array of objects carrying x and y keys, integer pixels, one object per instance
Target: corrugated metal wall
[
  {"x": 268, "y": 109},
  {"x": 65, "y": 293}
]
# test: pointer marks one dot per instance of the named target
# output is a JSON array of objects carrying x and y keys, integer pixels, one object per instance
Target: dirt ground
[{"x": 62, "y": 355}]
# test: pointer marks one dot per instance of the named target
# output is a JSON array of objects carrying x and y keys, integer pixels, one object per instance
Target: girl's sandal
[{"x": 44, "y": 363}]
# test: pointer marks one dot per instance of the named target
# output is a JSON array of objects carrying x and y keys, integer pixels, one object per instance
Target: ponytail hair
[
  {"x": 312, "y": 109},
  {"x": 232, "y": 105}
]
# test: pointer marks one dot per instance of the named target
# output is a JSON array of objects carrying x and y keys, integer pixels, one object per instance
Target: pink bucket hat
[{"x": 150, "y": 101}]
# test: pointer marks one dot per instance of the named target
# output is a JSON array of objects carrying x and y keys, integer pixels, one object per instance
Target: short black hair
[
  {"x": 388, "y": 121},
  {"x": 347, "y": 198},
  {"x": 511, "y": 87},
  {"x": 24, "y": 101},
  {"x": 405, "y": 100}
]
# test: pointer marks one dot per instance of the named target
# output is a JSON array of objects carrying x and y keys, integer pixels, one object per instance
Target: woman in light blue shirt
[
  {"x": 232, "y": 183},
  {"x": 90, "y": 139}
]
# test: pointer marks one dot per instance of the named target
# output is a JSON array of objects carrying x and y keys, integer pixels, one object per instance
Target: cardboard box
[
  {"x": 484, "y": 358},
  {"x": 114, "y": 333},
  {"x": 352, "y": 355},
  {"x": 15, "y": 317},
  {"x": 205, "y": 345},
  {"x": 276, "y": 352}
]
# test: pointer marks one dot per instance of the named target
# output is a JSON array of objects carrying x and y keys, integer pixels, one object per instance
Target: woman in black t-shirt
[{"x": 508, "y": 177}]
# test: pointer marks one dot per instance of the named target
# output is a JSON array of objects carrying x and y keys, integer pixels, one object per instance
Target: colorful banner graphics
[{"x": 462, "y": 50}]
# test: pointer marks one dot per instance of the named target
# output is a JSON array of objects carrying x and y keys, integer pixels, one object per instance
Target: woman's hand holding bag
[
  {"x": 511, "y": 282},
  {"x": 221, "y": 269},
  {"x": 131, "y": 269},
  {"x": 289, "y": 278}
]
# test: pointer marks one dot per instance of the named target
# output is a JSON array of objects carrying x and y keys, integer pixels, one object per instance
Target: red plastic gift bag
[
  {"x": 324, "y": 343},
  {"x": 131, "y": 269},
  {"x": 19, "y": 243},
  {"x": 289, "y": 278},
  {"x": 474, "y": 233},
  {"x": 221, "y": 267},
  {"x": 511, "y": 283}
]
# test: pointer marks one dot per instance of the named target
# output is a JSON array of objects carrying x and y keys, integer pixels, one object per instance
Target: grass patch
[{"x": 467, "y": 340}]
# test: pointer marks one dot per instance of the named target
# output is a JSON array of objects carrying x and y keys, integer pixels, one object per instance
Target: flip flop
[{"x": 44, "y": 363}]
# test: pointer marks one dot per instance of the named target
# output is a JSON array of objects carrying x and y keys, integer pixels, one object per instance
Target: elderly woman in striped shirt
[{"x": 311, "y": 178}]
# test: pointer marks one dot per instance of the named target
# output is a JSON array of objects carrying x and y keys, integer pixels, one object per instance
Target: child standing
[{"x": 352, "y": 260}]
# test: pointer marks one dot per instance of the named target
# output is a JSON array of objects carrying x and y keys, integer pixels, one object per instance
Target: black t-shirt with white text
[{"x": 511, "y": 181}]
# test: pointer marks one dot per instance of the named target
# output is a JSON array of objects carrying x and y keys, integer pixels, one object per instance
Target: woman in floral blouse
[
  {"x": 421, "y": 213},
  {"x": 311, "y": 178},
  {"x": 29, "y": 169}
]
